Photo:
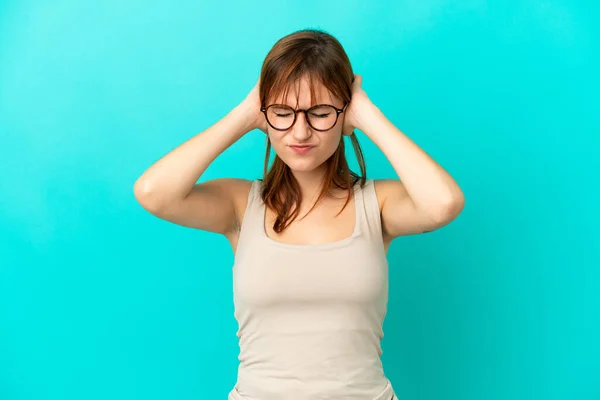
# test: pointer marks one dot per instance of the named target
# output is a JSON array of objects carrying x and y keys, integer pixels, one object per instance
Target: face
[{"x": 322, "y": 144}]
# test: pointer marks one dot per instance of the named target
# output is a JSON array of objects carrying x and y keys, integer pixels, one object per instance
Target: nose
[{"x": 301, "y": 129}]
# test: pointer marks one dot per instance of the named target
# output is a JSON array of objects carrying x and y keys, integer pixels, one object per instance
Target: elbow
[
  {"x": 141, "y": 190},
  {"x": 146, "y": 196},
  {"x": 450, "y": 208}
]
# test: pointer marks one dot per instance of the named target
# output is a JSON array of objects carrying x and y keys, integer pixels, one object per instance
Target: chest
[
  {"x": 349, "y": 271},
  {"x": 328, "y": 223}
]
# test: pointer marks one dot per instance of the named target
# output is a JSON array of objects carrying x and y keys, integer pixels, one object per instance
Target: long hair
[{"x": 320, "y": 57}]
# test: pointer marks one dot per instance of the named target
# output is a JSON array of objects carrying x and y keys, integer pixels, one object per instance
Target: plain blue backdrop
[{"x": 101, "y": 300}]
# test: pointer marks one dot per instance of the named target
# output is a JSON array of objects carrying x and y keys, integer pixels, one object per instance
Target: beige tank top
[{"x": 310, "y": 316}]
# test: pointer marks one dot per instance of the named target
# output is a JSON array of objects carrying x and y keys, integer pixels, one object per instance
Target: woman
[{"x": 310, "y": 239}]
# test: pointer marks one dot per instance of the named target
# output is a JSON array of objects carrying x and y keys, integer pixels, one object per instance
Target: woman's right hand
[{"x": 251, "y": 106}]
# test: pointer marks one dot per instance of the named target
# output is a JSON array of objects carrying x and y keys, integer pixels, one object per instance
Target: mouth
[{"x": 303, "y": 149}]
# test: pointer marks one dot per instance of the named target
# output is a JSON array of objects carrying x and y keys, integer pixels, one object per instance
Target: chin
[{"x": 302, "y": 165}]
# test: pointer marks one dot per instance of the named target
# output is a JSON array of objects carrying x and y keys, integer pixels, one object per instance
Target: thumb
[{"x": 357, "y": 81}]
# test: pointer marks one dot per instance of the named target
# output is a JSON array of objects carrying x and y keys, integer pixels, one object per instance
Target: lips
[{"x": 301, "y": 149}]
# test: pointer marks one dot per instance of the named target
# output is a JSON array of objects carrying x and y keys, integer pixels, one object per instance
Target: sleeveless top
[{"x": 310, "y": 316}]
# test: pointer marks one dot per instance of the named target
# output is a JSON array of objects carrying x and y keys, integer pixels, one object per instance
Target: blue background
[{"x": 101, "y": 300}]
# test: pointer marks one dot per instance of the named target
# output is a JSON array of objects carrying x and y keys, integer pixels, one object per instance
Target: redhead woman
[{"x": 310, "y": 238}]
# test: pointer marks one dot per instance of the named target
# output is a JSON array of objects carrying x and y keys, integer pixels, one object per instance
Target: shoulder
[
  {"x": 235, "y": 187},
  {"x": 388, "y": 188},
  {"x": 240, "y": 191},
  {"x": 238, "y": 188}
]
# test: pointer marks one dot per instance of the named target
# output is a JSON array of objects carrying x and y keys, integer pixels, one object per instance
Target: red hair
[{"x": 321, "y": 58}]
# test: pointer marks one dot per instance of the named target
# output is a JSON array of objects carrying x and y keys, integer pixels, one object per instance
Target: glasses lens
[
  {"x": 322, "y": 117},
  {"x": 282, "y": 117}
]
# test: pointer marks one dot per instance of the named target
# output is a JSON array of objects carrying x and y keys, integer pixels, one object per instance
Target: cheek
[
  {"x": 332, "y": 138},
  {"x": 276, "y": 140},
  {"x": 331, "y": 145}
]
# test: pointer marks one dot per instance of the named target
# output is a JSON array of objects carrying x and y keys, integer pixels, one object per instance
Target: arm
[
  {"x": 168, "y": 188},
  {"x": 427, "y": 198}
]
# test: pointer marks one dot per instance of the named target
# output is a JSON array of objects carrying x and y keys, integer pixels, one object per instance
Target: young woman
[{"x": 310, "y": 239}]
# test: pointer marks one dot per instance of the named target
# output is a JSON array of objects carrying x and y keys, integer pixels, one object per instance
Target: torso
[
  {"x": 310, "y": 303},
  {"x": 321, "y": 225}
]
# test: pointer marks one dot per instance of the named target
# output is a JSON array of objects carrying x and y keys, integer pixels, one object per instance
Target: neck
[{"x": 310, "y": 182}]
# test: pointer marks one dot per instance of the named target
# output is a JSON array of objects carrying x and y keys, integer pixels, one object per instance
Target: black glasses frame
[{"x": 337, "y": 115}]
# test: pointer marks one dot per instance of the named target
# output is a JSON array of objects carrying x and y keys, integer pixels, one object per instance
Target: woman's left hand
[{"x": 353, "y": 111}]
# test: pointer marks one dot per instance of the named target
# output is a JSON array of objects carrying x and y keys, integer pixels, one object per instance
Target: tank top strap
[
  {"x": 370, "y": 213},
  {"x": 253, "y": 217}
]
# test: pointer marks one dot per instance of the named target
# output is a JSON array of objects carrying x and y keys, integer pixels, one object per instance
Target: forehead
[{"x": 299, "y": 94}]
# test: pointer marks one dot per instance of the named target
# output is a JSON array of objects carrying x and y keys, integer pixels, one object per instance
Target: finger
[
  {"x": 347, "y": 127},
  {"x": 357, "y": 80}
]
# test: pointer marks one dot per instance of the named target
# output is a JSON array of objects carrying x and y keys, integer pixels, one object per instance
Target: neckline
[{"x": 358, "y": 204}]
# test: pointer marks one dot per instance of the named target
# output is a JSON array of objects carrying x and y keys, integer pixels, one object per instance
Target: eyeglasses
[{"x": 321, "y": 117}]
